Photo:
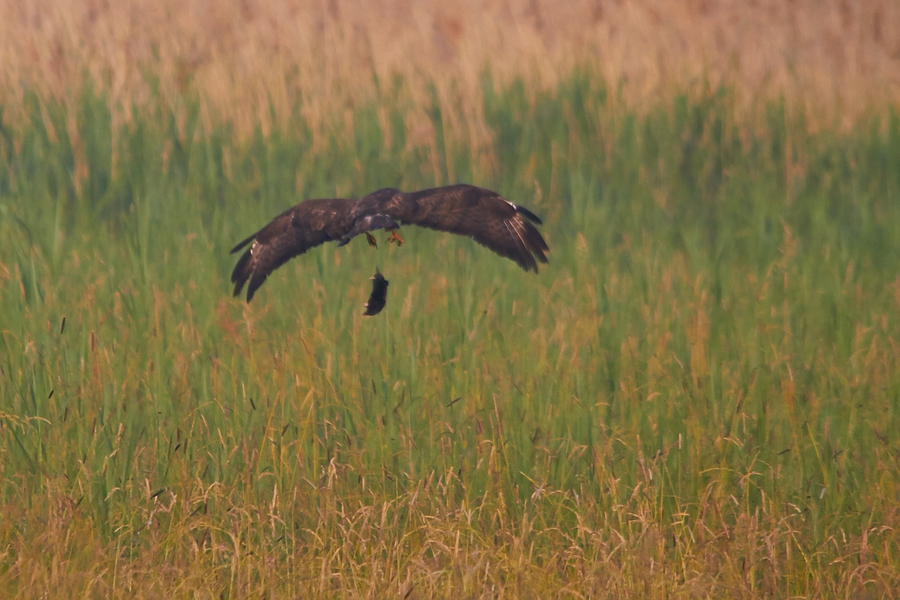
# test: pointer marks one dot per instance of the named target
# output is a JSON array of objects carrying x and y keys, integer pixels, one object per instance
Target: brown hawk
[{"x": 506, "y": 228}]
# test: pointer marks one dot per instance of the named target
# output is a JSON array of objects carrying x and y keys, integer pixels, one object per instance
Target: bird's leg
[
  {"x": 395, "y": 238},
  {"x": 371, "y": 239}
]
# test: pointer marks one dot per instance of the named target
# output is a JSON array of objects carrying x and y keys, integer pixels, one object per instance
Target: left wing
[{"x": 493, "y": 221}]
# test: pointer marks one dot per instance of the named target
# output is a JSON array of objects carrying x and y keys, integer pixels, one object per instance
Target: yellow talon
[
  {"x": 371, "y": 239},
  {"x": 395, "y": 238}
]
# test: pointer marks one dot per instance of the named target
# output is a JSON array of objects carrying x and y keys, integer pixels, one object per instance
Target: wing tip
[
  {"x": 242, "y": 243},
  {"x": 528, "y": 214},
  {"x": 241, "y": 273},
  {"x": 256, "y": 280},
  {"x": 535, "y": 247}
]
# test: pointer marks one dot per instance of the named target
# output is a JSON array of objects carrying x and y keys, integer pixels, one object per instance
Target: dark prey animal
[
  {"x": 506, "y": 228},
  {"x": 378, "y": 297}
]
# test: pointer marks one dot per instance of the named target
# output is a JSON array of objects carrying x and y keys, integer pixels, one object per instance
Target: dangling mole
[{"x": 378, "y": 297}]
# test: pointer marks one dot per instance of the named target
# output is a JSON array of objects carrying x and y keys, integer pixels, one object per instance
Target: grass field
[{"x": 697, "y": 397}]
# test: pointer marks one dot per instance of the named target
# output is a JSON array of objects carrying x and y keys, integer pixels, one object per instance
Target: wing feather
[
  {"x": 290, "y": 234},
  {"x": 519, "y": 241},
  {"x": 487, "y": 217}
]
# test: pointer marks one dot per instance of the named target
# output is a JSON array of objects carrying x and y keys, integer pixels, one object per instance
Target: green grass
[{"x": 698, "y": 396}]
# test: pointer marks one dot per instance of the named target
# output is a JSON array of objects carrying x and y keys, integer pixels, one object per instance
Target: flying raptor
[{"x": 506, "y": 228}]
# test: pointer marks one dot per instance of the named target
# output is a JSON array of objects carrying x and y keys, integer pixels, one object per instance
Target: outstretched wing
[
  {"x": 506, "y": 228},
  {"x": 290, "y": 234}
]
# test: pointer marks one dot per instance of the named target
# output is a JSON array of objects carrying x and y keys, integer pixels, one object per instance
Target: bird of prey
[
  {"x": 506, "y": 228},
  {"x": 378, "y": 297}
]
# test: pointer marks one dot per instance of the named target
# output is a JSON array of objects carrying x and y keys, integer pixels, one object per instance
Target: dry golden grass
[
  {"x": 251, "y": 59},
  {"x": 425, "y": 545}
]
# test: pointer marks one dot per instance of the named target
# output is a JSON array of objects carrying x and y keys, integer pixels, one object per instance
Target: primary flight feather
[{"x": 506, "y": 228}]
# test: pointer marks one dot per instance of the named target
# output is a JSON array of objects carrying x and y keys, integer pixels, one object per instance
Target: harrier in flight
[{"x": 506, "y": 228}]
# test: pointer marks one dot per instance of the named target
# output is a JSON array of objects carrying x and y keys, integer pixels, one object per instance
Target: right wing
[{"x": 290, "y": 234}]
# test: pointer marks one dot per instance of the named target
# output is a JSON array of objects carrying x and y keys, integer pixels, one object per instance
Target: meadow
[{"x": 698, "y": 396}]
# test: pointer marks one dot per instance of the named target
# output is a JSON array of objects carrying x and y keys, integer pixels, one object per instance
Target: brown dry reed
[{"x": 253, "y": 61}]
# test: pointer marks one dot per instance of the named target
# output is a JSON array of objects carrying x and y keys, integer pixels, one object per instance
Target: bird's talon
[
  {"x": 371, "y": 239},
  {"x": 395, "y": 238}
]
